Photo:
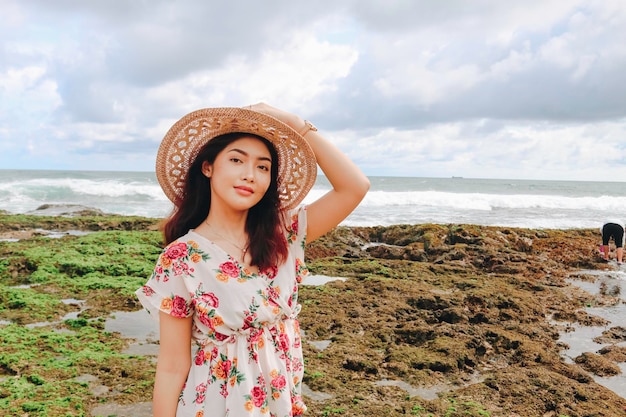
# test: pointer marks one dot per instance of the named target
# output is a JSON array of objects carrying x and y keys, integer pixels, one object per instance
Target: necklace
[{"x": 243, "y": 250}]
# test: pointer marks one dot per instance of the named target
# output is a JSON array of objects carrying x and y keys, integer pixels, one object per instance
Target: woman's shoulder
[
  {"x": 188, "y": 244},
  {"x": 295, "y": 221},
  {"x": 190, "y": 237}
]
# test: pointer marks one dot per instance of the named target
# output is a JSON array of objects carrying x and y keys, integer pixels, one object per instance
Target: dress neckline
[{"x": 230, "y": 257}]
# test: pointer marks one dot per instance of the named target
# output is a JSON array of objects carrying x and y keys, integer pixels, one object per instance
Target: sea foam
[{"x": 516, "y": 203}]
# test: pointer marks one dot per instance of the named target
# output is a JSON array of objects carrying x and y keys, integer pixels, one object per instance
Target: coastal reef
[{"x": 427, "y": 320}]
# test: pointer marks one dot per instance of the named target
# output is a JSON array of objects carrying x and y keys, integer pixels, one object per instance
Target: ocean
[{"x": 391, "y": 200}]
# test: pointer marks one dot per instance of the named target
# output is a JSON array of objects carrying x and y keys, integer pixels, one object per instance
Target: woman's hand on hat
[{"x": 294, "y": 121}]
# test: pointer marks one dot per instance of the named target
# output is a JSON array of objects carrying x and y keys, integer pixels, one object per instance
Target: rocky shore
[{"x": 431, "y": 320}]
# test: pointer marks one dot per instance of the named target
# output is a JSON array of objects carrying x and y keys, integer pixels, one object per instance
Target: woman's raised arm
[{"x": 349, "y": 184}]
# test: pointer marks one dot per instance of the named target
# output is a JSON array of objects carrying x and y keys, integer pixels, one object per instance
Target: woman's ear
[{"x": 207, "y": 168}]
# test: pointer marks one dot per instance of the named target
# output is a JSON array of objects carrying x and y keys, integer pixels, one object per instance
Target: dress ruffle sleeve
[
  {"x": 296, "y": 237},
  {"x": 167, "y": 289}
]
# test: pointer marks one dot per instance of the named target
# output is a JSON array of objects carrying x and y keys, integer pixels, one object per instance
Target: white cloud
[
  {"x": 487, "y": 89},
  {"x": 28, "y": 98},
  {"x": 294, "y": 74}
]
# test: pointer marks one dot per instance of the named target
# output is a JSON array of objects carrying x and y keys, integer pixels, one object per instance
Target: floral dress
[{"x": 246, "y": 347}]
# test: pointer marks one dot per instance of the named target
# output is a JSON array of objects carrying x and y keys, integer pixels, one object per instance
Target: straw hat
[{"x": 297, "y": 167}]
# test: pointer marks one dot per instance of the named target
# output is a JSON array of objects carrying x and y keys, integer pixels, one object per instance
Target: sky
[{"x": 532, "y": 89}]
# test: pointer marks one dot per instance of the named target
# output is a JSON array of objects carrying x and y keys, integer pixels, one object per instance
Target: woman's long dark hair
[{"x": 264, "y": 225}]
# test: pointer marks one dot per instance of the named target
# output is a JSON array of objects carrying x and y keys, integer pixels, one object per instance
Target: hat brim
[{"x": 297, "y": 167}]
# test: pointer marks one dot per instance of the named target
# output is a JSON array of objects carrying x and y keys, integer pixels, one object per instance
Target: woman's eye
[
  {"x": 235, "y": 159},
  {"x": 264, "y": 168}
]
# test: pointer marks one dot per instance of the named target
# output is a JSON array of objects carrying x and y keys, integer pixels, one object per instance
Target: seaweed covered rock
[{"x": 430, "y": 319}]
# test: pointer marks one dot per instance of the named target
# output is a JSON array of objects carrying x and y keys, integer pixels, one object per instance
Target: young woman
[
  {"x": 226, "y": 285},
  {"x": 612, "y": 229}
]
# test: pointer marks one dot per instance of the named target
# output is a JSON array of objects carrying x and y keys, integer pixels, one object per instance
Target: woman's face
[{"x": 240, "y": 174}]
